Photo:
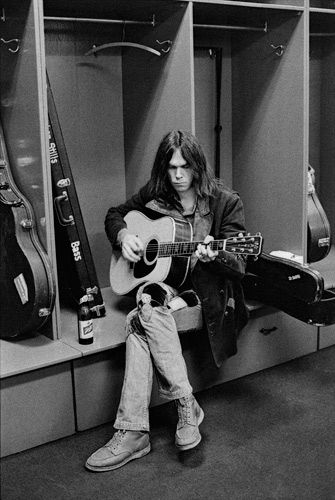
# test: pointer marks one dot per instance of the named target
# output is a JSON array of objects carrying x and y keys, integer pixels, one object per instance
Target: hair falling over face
[{"x": 191, "y": 150}]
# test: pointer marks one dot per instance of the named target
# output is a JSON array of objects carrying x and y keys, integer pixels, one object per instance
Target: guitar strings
[
  {"x": 186, "y": 247},
  {"x": 195, "y": 244}
]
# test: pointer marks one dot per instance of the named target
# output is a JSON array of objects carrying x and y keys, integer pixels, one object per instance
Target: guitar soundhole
[
  {"x": 146, "y": 265},
  {"x": 151, "y": 251}
]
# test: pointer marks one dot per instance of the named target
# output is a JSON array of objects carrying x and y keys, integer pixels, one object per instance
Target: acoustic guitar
[
  {"x": 168, "y": 247},
  {"x": 27, "y": 289},
  {"x": 318, "y": 228}
]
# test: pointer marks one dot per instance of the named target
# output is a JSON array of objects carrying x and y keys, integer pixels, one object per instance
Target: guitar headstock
[{"x": 245, "y": 245}]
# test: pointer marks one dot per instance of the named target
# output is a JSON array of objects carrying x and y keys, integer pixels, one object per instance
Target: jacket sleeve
[
  {"x": 230, "y": 222},
  {"x": 114, "y": 220}
]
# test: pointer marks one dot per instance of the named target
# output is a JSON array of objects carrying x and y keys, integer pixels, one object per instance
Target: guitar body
[
  {"x": 27, "y": 290},
  {"x": 125, "y": 276},
  {"x": 318, "y": 227}
]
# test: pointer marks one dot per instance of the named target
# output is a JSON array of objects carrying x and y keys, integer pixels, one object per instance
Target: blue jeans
[{"x": 152, "y": 343}]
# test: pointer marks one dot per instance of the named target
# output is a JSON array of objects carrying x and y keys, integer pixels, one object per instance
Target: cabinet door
[
  {"x": 36, "y": 407},
  {"x": 327, "y": 336},
  {"x": 270, "y": 339}
]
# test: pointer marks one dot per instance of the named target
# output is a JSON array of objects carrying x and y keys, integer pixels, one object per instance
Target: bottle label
[{"x": 86, "y": 329}]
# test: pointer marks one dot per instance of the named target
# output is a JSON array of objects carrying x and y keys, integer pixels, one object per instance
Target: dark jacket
[{"x": 216, "y": 283}]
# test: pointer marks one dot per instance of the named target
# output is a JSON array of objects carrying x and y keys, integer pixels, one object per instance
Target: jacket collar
[
  {"x": 203, "y": 206},
  {"x": 159, "y": 206}
]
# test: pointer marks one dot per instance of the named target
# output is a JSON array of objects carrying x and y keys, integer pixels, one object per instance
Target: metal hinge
[
  {"x": 26, "y": 223},
  {"x": 44, "y": 311}
]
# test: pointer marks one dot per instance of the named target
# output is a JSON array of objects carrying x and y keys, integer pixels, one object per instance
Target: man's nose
[{"x": 178, "y": 172}]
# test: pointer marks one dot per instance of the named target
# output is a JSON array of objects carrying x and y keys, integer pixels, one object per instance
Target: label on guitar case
[
  {"x": 21, "y": 287},
  {"x": 324, "y": 242}
]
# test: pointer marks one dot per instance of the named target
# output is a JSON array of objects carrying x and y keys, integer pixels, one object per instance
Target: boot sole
[
  {"x": 197, "y": 440},
  {"x": 138, "y": 454}
]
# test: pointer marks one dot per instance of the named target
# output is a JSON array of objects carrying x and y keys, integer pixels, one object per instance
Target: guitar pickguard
[{"x": 142, "y": 270}]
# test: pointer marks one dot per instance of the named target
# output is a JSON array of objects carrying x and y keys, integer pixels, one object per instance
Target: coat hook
[
  {"x": 169, "y": 46},
  {"x": 93, "y": 48},
  {"x": 278, "y": 49},
  {"x": 3, "y": 16},
  {"x": 16, "y": 40},
  {"x": 213, "y": 53}
]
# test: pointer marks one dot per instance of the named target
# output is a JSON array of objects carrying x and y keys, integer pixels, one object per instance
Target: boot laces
[
  {"x": 116, "y": 440},
  {"x": 184, "y": 411}
]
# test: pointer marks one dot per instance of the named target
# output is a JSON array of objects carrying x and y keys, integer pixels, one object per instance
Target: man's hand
[
  {"x": 132, "y": 246},
  {"x": 204, "y": 251}
]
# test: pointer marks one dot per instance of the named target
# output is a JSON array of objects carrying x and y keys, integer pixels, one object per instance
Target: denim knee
[
  {"x": 154, "y": 294},
  {"x": 133, "y": 324}
]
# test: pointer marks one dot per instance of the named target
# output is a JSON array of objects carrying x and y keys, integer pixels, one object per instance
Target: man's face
[{"x": 180, "y": 173}]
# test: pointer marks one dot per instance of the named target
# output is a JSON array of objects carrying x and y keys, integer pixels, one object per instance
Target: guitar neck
[{"x": 187, "y": 248}]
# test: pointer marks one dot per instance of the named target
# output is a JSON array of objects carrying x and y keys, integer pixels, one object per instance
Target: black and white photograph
[{"x": 167, "y": 249}]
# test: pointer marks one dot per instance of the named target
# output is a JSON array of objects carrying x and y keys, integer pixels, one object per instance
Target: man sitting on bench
[{"x": 181, "y": 186}]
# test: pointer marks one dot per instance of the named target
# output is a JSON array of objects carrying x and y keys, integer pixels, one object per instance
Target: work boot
[
  {"x": 190, "y": 417},
  {"x": 123, "y": 447}
]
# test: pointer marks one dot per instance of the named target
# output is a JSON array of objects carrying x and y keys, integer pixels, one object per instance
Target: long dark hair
[{"x": 204, "y": 181}]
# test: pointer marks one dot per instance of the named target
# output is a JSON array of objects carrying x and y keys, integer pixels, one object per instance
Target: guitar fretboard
[{"x": 185, "y": 247}]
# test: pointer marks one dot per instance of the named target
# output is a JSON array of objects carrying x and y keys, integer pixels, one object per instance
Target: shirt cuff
[{"x": 120, "y": 235}]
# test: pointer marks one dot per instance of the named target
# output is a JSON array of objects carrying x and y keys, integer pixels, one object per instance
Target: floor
[{"x": 270, "y": 435}]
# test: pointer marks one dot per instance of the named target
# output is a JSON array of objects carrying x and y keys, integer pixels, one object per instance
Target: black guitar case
[
  {"x": 76, "y": 269},
  {"x": 303, "y": 291},
  {"x": 27, "y": 288}
]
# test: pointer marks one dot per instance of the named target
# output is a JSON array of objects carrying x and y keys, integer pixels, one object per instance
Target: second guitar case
[
  {"x": 75, "y": 262},
  {"x": 304, "y": 292}
]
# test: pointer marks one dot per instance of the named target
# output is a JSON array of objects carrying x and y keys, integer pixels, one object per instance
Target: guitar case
[
  {"x": 318, "y": 227},
  {"x": 76, "y": 269},
  {"x": 305, "y": 292},
  {"x": 27, "y": 287}
]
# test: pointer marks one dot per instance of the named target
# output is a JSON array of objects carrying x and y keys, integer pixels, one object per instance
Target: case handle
[
  {"x": 58, "y": 205},
  {"x": 267, "y": 331}
]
